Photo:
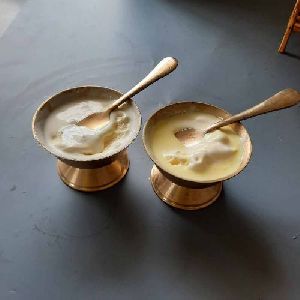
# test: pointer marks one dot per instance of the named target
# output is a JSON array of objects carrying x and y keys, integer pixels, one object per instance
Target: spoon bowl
[
  {"x": 95, "y": 120},
  {"x": 189, "y": 136}
]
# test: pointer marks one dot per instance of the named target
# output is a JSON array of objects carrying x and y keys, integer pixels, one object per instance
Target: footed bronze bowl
[
  {"x": 176, "y": 191},
  {"x": 87, "y": 174}
]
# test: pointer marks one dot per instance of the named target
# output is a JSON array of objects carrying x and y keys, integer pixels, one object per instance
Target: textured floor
[{"x": 124, "y": 243}]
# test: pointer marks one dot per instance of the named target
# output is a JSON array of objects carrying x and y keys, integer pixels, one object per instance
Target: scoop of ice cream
[
  {"x": 80, "y": 139},
  {"x": 213, "y": 146}
]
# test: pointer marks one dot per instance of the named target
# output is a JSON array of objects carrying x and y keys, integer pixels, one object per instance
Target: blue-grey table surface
[{"x": 124, "y": 243}]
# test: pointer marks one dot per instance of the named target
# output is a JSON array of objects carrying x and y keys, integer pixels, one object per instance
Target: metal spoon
[
  {"x": 99, "y": 119},
  {"x": 283, "y": 99}
]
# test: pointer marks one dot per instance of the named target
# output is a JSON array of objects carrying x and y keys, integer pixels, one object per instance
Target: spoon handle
[
  {"x": 164, "y": 67},
  {"x": 283, "y": 99}
]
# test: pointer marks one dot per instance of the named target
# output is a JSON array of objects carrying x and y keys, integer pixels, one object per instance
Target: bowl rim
[
  {"x": 87, "y": 160},
  {"x": 147, "y": 147}
]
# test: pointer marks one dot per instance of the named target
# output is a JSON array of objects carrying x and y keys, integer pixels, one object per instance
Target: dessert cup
[
  {"x": 86, "y": 175},
  {"x": 179, "y": 192}
]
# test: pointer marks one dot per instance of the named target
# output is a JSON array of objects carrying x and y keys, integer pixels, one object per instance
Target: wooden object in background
[{"x": 293, "y": 25}]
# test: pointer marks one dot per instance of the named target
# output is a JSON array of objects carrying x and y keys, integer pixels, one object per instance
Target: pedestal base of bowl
[
  {"x": 96, "y": 179},
  {"x": 183, "y": 197}
]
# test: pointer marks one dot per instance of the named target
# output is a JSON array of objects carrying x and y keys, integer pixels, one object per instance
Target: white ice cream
[{"x": 64, "y": 135}]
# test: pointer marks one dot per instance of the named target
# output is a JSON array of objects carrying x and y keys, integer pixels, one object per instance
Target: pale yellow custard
[{"x": 217, "y": 155}]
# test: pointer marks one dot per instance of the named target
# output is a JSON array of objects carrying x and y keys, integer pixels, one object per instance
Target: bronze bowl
[
  {"x": 176, "y": 191},
  {"x": 87, "y": 174}
]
